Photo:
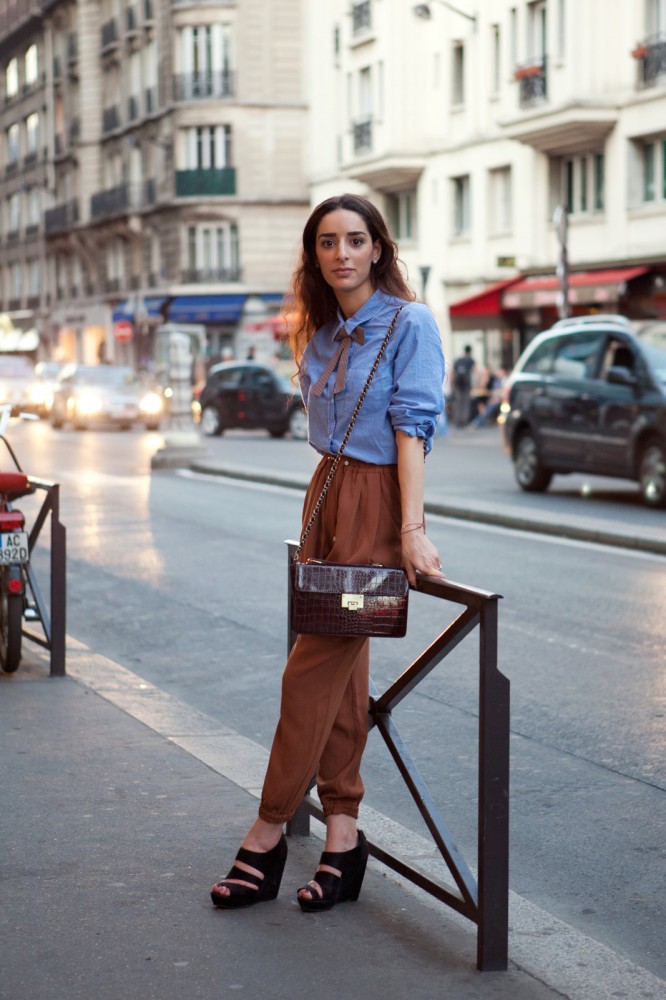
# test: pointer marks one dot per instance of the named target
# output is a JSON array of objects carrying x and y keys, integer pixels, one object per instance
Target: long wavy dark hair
[{"x": 314, "y": 302}]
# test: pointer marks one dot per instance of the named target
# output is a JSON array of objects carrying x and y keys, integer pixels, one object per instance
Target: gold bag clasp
[{"x": 352, "y": 602}]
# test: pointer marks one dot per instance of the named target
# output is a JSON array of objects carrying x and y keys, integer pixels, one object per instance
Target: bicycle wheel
[{"x": 11, "y": 623}]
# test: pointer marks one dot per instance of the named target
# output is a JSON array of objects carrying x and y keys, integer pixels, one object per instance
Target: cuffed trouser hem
[
  {"x": 342, "y": 809},
  {"x": 272, "y": 818}
]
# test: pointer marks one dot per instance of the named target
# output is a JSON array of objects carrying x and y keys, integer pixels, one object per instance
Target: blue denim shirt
[{"x": 405, "y": 393}]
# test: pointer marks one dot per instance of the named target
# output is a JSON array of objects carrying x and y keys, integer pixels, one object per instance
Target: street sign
[{"x": 123, "y": 330}]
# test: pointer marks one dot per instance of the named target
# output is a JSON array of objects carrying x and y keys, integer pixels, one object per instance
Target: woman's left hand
[{"x": 420, "y": 555}]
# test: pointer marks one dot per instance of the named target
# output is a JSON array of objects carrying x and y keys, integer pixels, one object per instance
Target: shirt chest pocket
[{"x": 379, "y": 394}]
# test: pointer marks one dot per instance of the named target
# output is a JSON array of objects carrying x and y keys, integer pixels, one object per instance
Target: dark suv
[
  {"x": 250, "y": 396},
  {"x": 589, "y": 395}
]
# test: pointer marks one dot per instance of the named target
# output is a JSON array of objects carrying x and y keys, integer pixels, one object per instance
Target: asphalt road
[{"x": 182, "y": 579}]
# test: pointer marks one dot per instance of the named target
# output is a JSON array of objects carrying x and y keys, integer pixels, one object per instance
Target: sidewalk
[{"x": 121, "y": 805}]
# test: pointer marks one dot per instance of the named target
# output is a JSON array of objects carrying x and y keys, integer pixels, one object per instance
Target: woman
[{"x": 348, "y": 288}]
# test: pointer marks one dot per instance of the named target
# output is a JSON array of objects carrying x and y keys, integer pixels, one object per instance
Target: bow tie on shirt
[{"x": 340, "y": 358}]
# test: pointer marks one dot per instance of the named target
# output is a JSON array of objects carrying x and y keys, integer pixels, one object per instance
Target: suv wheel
[
  {"x": 530, "y": 473},
  {"x": 652, "y": 474},
  {"x": 210, "y": 421},
  {"x": 298, "y": 425}
]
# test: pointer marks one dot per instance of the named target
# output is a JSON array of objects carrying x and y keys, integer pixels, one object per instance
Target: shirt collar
[{"x": 372, "y": 309}]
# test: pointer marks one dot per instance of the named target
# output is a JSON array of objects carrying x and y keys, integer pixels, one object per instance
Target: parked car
[
  {"x": 589, "y": 395},
  {"x": 250, "y": 396},
  {"x": 104, "y": 394},
  {"x": 16, "y": 375},
  {"x": 40, "y": 391}
]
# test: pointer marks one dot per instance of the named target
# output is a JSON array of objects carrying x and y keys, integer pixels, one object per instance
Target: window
[
  {"x": 650, "y": 171},
  {"x": 579, "y": 183},
  {"x": 11, "y": 78},
  {"x": 212, "y": 252},
  {"x": 15, "y": 281},
  {"x": 30, "y": 66},
  {"x": 655, "y": 17},
  {"x": 513, "y": 36},
  {"x": 34, "y": 278},
  {"x": 33, "y": 207},
  {"x": 401, "y": 211},
  {"x": 12, "y": 143},
  {"x": 501, "y": 200},
  {"x": 209, "y": 147},
  {"x": 496, "y": 61},
  {"x": 537, "y": 30},
  {"x": 458, "y": 78},
  {"x": 14, "y": 213},
  {"x": 206, "y": 60},
  {"x": 561, "y": 28},
  {"x": 32, "y": 133},
  {"x": 461, "y": 205}
]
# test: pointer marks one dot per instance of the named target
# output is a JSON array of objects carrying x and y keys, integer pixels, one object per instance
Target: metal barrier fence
[
  {"x": 52, "y": 619},
  {"x": 484, "y": 900}
]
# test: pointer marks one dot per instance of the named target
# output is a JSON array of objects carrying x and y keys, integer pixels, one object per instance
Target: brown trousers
[{"x": 323, "y": 725}]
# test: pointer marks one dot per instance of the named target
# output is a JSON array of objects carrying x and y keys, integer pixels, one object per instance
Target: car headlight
[
  {"x": 89, "y": 403},
  {"x": 151, "y": 404}
]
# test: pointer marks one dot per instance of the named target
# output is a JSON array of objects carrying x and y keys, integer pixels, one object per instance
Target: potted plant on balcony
[
  {"x": 640, "y": 51},
  {"x": 523, "y": 72}
]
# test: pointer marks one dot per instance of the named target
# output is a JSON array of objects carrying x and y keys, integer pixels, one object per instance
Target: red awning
[
  {"x": 481, "y": 310},
  {"x": 585, "y": 288}
]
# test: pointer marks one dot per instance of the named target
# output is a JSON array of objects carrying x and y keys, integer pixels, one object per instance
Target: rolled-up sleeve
[{"x": 418, "y": 369}]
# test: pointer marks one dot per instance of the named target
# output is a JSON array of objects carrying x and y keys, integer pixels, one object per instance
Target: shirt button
[{"x": 346, "y": 462}]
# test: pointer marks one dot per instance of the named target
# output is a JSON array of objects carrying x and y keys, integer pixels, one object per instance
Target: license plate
[{"x": 14, "y": 547}]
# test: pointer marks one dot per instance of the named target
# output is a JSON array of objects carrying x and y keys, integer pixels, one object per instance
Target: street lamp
[{"x": 423, "y": 11}]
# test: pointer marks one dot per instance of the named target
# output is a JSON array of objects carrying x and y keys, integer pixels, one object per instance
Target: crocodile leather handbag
[{"x": 344, "y": 600}]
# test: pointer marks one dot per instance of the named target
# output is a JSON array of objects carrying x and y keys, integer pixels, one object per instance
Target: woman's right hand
[{"x": 420, "y": 555}]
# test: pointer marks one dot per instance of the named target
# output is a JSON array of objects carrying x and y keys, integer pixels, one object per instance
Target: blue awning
[
  {"x": 206, "y": 308},
  {"x": 126, "y": 310}
]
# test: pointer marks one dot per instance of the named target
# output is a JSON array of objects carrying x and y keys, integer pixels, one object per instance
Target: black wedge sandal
[
  {"x": 269, "y": 863},
  {"x": 337, "y": 888}
]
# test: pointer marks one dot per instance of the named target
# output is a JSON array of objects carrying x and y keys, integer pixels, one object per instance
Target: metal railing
[
  {"x": 363, "y": 136},
  {"x": 533, "y": 81},
  {"x": 206, "y": 181},
  {"x": 651, "y": 58},
  {"x": 51, "y": 616},
  {"x": 208, "y": 83},
  {"x": 484, "y": 900}
]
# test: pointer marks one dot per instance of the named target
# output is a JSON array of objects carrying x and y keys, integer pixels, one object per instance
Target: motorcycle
[{"x": 14, "y": 552}]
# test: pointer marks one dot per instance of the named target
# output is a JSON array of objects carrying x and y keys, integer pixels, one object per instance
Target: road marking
[{"x": 544, "y": 947}]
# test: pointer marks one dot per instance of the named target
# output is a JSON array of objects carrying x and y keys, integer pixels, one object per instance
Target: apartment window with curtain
[
  {"x": 212, "y": 252},
  {"x": 654, "y": 170},
  {"x": 11, "y": 79},
  {"x": 458, "y": 74},
  {"x": 401, "y": 213},
  {"x": 14, "y": 213},
  {"x": 12, "y": 143},
  {"x": 32, "y": 134},
  {"x": 206, "y": 61},
  {"x": 461, "y": 205},
  {"x": 209, "y": 147},
  {"x": 30, "y": 67},
  {"x": 578, "y": 182},
  {"x": 500, "y": 200}
]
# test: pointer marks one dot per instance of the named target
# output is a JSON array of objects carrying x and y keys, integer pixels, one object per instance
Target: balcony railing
[
  {"x": 208, "y": 275},
  {"x": 362, "y": 16},
  {"x": 651, "y": 58},
  {"x": 195, "y": 86},
  {"x": 121, "y": 199},
  {"x": 62, "y": 217},
  {"x": 533, "y": 81},
  {"x": 110, "y": 119},
  {"x": 363, "y": 136},
  {"x": 194, "y": 183}
]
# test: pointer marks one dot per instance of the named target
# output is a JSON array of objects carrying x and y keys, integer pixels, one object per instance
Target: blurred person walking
[
  {"x": 348, "y": 289},
  {"x": 463, "y": 368}
]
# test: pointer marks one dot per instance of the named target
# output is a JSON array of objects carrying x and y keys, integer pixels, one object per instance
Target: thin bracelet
[
  {"x": 405, "y": 531},
  {"x": 410, "y": 524}
]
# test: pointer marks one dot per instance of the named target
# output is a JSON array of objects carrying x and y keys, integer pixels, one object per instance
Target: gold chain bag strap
[{"x": 348, "y": 600}]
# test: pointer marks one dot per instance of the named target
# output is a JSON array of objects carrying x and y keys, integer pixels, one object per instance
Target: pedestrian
[
  {"x": 347, "y": 289},
  {"x": 463, "y": 368}
]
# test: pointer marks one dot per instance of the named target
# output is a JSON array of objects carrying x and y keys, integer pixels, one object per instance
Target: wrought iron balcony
[
  {"x": 363, "y": 136},
  {"x": 113, "y": 201},
  {"x": 195, "y": 183},
  {"x": 196, "y": 86},
  {"x": 210, "y": 275},
  {"x": 533, "y": 80},
  {"x": 110, "y": 119},
  {"x": 651, "y": 59},
  {"x": 109, "y": 33},
  {"x": 62, "y": 217}
]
